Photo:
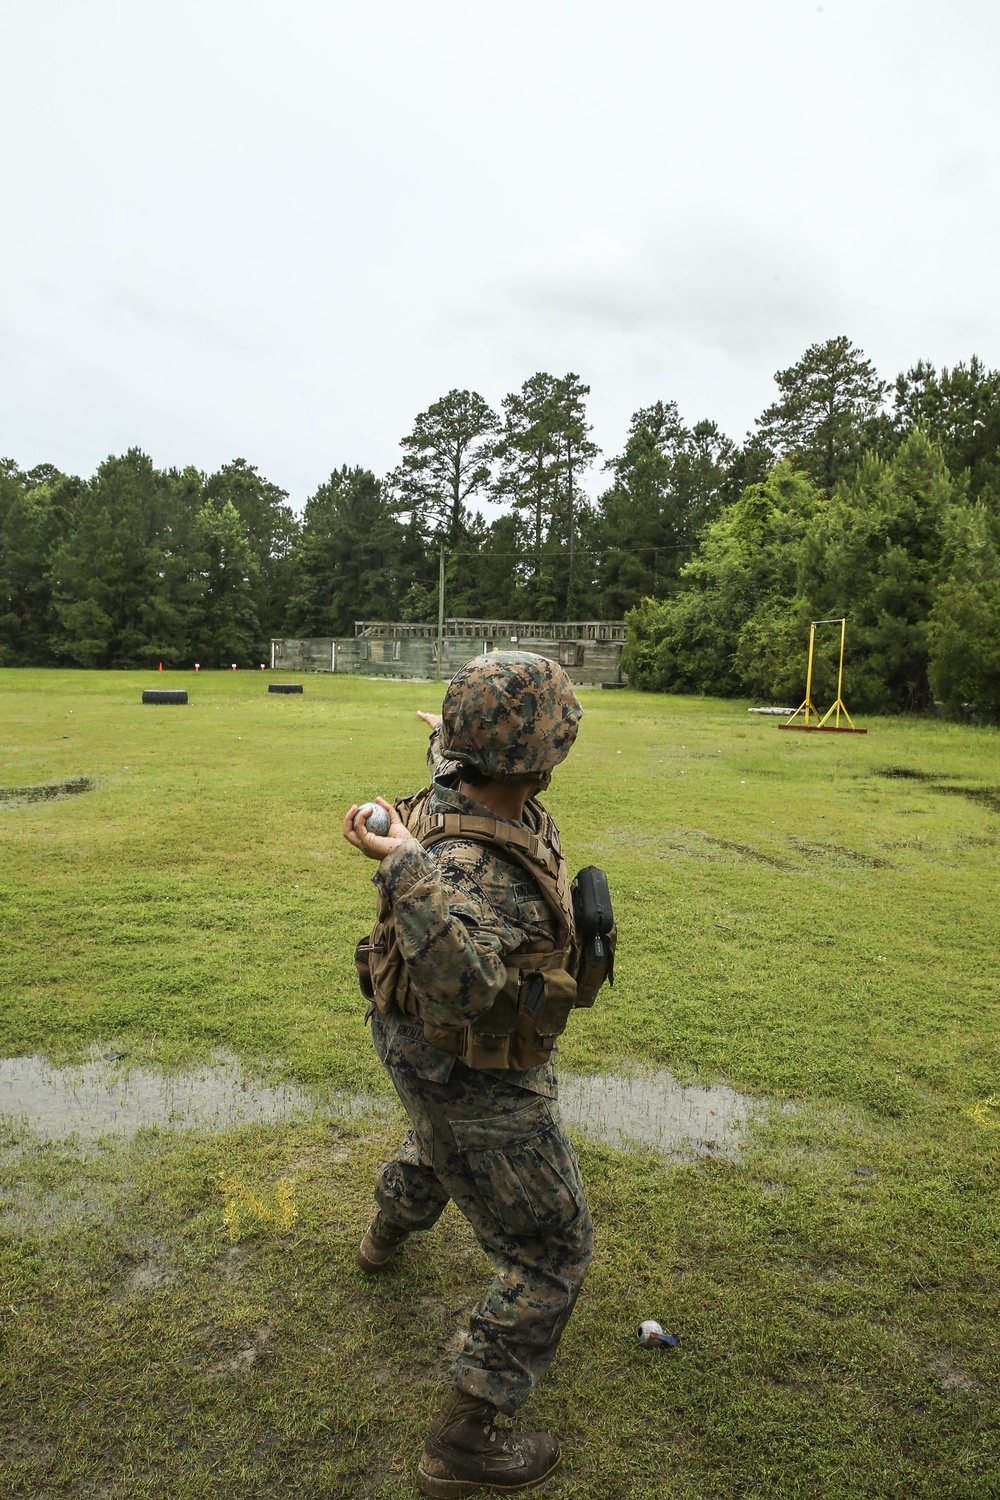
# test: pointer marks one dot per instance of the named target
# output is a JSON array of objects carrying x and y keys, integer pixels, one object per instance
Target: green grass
[{"x": 791, "y": 922}]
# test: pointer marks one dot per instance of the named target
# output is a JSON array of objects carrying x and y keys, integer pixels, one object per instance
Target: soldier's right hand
[{"x": 374, "y": 845}]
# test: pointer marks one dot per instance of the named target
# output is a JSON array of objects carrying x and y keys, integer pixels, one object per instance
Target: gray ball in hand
[{"x": 377, "y": 821}]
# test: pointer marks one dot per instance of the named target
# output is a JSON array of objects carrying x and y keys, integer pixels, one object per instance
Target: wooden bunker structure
[{"x": 590, "y": 650}]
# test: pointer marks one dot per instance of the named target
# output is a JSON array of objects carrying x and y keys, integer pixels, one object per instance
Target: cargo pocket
[{"x": 524, "y": 1169}]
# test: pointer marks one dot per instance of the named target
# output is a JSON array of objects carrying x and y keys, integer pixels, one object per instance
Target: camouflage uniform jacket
[{"x": 459, "y": 909}]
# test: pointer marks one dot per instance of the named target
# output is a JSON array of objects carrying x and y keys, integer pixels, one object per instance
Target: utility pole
[
  {"x": 440, "y": 651},
  {"x": 570, "y": 591}
]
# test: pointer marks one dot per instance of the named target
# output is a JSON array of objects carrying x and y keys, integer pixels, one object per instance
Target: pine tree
[
  {"x": 960, "y": 410},
  {"x": 576, "y": 453},
  {"x": 270, "y": 528},
  {"x": 668, "y": 484},
  {"x": 828, "y": 400},
  {"x": 529, "y": 454},
  {"x": 35, "y": 514},
  {"x": 446, "y": 463},
  {"x": 224, "y": 626},
  {"x": 355, "y": 558},
  {"x": 121, "y": 578}
]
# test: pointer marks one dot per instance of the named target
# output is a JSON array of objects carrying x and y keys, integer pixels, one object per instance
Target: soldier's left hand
[{"x": 374, "y": 845}]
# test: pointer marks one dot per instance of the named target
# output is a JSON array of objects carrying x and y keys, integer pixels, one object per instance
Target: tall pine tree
[
  {"x": 446, "y": 463},
  {"x": 829, "y": 399}
]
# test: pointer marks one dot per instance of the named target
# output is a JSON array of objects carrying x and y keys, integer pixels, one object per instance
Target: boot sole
[
  {"x": 372, "y": 1267},
  {"x": 454, "y": 1489},
  {"x": 378, "y": 1260}
]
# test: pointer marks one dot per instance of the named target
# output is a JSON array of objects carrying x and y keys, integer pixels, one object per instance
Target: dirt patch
[
  {"x": 693, "y": 843},
  {"x": 748, "y": 851},
  {"x": 244, "y": 1358},
  {"x": 907, "y": 773},
  {"x": 951, "y": 1380},
  {"x": 148, "y": 1275},
  {"x": 984, "y": 796},
  {"x": 453, "y": 1346},
  {"x": 47, "y": 791},
  {"x": 29, "y": 1449},
  {"x": 839, "y": 856},
  {"x": 942, "y": 781}
]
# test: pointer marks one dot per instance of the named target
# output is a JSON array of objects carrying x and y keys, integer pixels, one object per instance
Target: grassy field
[{"x": 811, "y": 918}]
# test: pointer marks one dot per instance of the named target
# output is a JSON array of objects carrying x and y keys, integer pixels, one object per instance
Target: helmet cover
[{"x": 510, "y": 713}]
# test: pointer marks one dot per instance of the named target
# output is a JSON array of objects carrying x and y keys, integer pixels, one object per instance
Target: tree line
[
  {"x": 876, "y": 502},
  {"x": 849, "y": 495}
]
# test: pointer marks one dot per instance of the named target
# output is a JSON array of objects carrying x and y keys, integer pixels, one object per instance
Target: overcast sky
[{"x": 280, "y": 230}]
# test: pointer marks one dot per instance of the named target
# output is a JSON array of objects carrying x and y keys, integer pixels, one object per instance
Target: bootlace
[{"x": 498, "y": 1427}]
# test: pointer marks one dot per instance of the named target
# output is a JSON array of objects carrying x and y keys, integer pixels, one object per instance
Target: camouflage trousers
[{"x": 500, "y": 1153}]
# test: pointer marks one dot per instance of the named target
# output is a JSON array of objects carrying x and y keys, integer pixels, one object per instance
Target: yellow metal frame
[
  {"x": 837, "y": 708},
  {"x": 807, "y": 705}
]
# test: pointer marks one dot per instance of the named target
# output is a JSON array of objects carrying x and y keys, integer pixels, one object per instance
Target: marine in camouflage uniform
[{"x": 492, "y": 1141}]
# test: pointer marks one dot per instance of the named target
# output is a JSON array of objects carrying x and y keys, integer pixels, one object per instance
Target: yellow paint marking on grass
[
  {"x": 241, "y": 1203},
  {"x": 986, "y": 1111}
]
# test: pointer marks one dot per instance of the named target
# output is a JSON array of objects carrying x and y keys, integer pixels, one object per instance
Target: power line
[{"x": 531, "y": 556}]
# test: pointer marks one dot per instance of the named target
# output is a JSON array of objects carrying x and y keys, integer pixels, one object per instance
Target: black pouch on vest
[{"x": 595, "y": 931}]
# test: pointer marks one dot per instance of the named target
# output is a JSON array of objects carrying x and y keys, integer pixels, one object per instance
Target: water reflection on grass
[
  {"x": 112, "y": 1097},
  {"x": 652, "y": 1109}
]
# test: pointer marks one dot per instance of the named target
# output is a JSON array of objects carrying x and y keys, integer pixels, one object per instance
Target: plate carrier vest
[{"x": 546, "y": 977}]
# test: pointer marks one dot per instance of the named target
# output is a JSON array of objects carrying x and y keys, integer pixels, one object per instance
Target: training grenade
[
  {"x": 377, "y": 821},
  {"x": 651, "y": 1336}
]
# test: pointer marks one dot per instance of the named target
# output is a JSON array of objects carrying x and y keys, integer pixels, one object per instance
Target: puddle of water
[
  {"x": 48, "y": 791},
  {"x": 99, "y": 1098},
  {"x": 102, "y": 1098},
  {"x": 28, "y": 1209},
  {"x": 679, "y": 1120}
]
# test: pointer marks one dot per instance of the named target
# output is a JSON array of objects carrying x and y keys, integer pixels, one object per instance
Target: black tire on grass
[
  {"x": 164, "y": 695},
  {"x": 284, "y": 687}
]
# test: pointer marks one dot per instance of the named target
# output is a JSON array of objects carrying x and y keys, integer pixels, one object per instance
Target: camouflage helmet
[{"x": 510, "y": 713}]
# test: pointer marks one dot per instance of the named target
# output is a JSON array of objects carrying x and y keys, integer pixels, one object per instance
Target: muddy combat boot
[
  {"x": 380, "y": 1243},
  {"x": 465, "y": 1452}
]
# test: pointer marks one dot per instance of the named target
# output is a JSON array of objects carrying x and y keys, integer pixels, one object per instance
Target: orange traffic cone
[{"x": 160, "y": 667}]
